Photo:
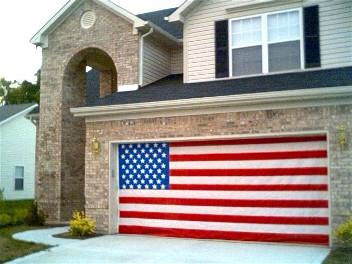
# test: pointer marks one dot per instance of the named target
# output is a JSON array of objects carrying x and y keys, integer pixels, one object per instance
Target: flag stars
[{"x": 144, "y": 166}]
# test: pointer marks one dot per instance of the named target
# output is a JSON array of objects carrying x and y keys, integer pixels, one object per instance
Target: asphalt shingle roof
[
  {"x": 173, "y": 88},
  {"x": 158, "y": 18},
  {"x": 8, "y": 111}
]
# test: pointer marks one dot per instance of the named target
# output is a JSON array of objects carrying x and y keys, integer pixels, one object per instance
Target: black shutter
[
  {"x": 222, "y": 48},
  {"x": 312, "y": 37}
]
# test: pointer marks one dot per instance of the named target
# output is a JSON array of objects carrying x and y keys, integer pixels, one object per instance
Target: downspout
[{"x": 141, "y": 55}]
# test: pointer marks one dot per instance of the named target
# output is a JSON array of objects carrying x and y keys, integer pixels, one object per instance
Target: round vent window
[{"x": 88, "y": 19}]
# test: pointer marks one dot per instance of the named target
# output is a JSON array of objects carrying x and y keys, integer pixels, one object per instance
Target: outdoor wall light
[
  {"x": 342, "y": 137},
  {"x": 95, "y": 146}
]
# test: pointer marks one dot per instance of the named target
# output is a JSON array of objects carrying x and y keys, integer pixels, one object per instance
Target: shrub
[
  {"x": 35, "y": 216},
  {"x": 2, "y": 195},
  {"x": 344, "y": 233},
  {"x": 19, "y": 216},
  {"x": 5, "y": 220},
  {"x": 81, "y": 226}
]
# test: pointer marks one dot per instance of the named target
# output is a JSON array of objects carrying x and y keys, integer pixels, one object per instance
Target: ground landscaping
[{"x": 12, "y": 219}]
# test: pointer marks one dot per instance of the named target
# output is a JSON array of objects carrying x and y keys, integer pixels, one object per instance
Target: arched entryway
[{"x": 77, "y": 91}]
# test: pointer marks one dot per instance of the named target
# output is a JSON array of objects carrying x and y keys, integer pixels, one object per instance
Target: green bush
[
  {"x": 81, "y": 226},
  {"x": 344, "y": 233},
  {"x": 5, "y": 220},
  {"x": 18, "y": 217},
  {"x": 35, "y": 216},
  {"x": 2, "y": 195}
]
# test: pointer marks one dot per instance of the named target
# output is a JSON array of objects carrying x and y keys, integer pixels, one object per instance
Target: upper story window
[
  {"x": 266, "y": 43},
  {"x": 19, "y": 178}
]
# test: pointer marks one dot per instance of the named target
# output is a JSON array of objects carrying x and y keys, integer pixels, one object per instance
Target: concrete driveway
[{"x": 141, "y": 249}]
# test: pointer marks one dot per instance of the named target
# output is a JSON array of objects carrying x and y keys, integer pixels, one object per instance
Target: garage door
[{"x": 264, "y": 189}]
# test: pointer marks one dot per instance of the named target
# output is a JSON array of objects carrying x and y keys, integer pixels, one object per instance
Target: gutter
[
  {"x": 141, "y": 55},
  {"x": 244, "y": 102},
  {"x": 30, "y": 108}
]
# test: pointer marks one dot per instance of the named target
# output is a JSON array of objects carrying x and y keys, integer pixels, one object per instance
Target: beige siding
[
  {"x": 199, "y": 57},
  {"x": 177, "y": 60},
  {"x": 156, "y": 61}
]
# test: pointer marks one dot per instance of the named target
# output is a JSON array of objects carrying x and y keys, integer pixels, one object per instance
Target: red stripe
[
  {"x": 239, "y": 236},
  {"x": 227, "y": 203},
  {"x": 250, "y": 172},
  {"x": 250, "y": 156},
  {"x": 248, "y": 141},
  {"x": 287, "y": 187},
  {"x": 228, "y": 218}
]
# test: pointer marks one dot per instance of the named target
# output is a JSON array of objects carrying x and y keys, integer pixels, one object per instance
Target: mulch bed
[{"x": 68, "y": 236}]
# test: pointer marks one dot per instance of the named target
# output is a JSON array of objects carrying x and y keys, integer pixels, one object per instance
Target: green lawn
[
  {"x": 340, "y": 256},
  {"x": 11, "y": 249}
]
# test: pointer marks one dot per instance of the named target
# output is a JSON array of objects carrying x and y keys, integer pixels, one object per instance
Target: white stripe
[
  {"x": 247, "y": 164},
  {"x": 277, "y": 147},
  {"x": 235, "y": 227},
  {"x": 284, "y": 195},
  {"x": 251, "y": 180},
  {"x": 214, "y": 210}
]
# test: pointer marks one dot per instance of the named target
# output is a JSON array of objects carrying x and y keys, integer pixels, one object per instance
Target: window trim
[
  {"x": 21, "y": 178},
  {"x": 265, "y": 43}
]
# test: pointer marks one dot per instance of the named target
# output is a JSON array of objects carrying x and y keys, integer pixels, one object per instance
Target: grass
[
  {"x": 12, "y": 249},
  {"x": 340, "y": 256}
]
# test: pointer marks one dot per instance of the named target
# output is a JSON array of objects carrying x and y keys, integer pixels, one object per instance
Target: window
[
  {"x": 19, "y": 178},
  {"x": 246, "y": 46},
  {"x": 266, "y": 43}
]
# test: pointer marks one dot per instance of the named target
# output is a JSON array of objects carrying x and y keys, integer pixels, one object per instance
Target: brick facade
[
  {"x": 256, "y": 122},
  {"x": 60, "y": 178},
  {"x": 70, "y": 177}
]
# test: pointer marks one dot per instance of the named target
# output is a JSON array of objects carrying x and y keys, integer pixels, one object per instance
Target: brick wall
[
  {"x": 256, "y": 122},
  {"x": 61, "y": 142}
]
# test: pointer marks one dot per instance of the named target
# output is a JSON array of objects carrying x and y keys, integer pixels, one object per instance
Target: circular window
[{"x": 88, "y": 19}]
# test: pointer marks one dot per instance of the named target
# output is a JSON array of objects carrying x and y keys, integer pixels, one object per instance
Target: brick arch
[{"x": 73, "y": 137}]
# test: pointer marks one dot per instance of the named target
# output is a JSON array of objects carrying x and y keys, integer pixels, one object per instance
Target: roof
[
  {"x": 179, "y": 13},
  {"x": 173, "y": 88},
  {"x": 8, "y": 111},
  {"x": 158, "y": 18}
]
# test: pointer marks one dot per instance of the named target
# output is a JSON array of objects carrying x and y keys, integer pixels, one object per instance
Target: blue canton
[{"x": 144, "y": 166}]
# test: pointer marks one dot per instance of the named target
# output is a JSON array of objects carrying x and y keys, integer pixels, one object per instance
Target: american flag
[{"x": 263, "y": 189}]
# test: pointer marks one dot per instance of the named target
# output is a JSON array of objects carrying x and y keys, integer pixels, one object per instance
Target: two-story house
[{"x": 218, "y": 119}]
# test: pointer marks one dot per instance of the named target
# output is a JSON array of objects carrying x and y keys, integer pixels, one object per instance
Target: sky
[{"x": 21, "y": 19}]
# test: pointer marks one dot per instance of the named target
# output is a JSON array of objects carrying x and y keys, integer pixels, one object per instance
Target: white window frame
[
  {"x": 265, "y": 43},
  {"x": 16, "y": 177}
]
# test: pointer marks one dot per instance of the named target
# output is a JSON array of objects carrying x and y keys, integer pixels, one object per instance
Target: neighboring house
[
  {"x": 17, "y": 151},
  {"x": 237, "y": 114}
]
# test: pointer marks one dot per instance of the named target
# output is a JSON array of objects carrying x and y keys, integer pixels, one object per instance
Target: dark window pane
[
  {"x": 285, "y": 56},
  {"x": 246, "y": 61},
  {"x": 19, "y": 184}
]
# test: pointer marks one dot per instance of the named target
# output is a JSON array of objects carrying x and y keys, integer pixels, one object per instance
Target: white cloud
[{"x": 21, "y": 19}]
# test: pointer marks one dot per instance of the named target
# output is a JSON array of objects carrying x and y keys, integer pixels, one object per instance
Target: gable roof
[
  {"x": 8, "y": 112},
  {"x": 154, "y": 19},
  {"x": 178, "y": 14},
  {"x": 158, "y": 18},
  {"x": 41, "y": 37}
]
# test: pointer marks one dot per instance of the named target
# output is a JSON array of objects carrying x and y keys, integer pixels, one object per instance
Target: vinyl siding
[
  {"x": 335, "y": 31},
  {"x": 156, "y": 61},
  {"x": 177, "y": 61},
  {"x": 17, "y": 148}
]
